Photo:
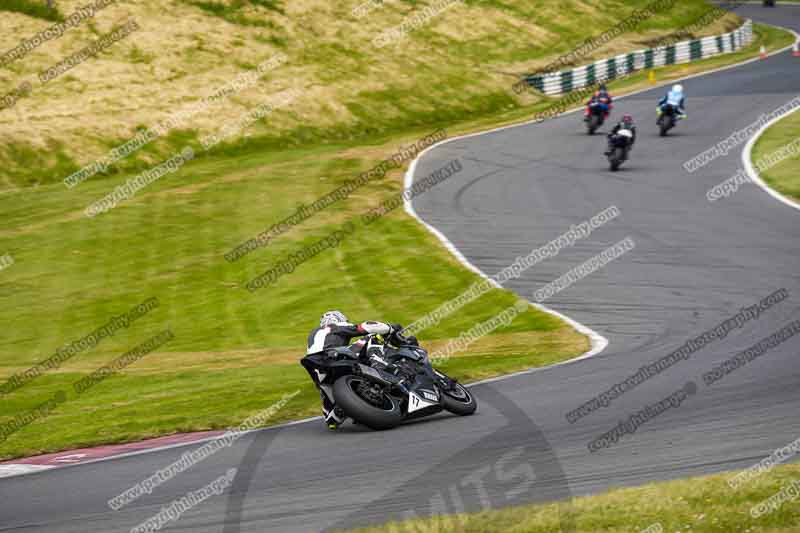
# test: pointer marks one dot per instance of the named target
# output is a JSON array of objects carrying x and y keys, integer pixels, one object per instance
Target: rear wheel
[
  {"x": 594, "y": 123},
  {"x": 459, "y": 400},
  {"x": 617, "y": 156},
  {"x": 366, "y": 402},
  {"x": 666, "y": 124}
]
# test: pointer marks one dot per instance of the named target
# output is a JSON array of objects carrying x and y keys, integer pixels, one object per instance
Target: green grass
[
  {"x": 457, "y": 68},
  {"x": 36, "y": 167},
  {"x": 33, "y": 8},
  {"x": 235, "y": 352},
  {"x": 233, "y": 11},
  {"x": 785, "y": 176},
  {"x": 698, "y": 505}
]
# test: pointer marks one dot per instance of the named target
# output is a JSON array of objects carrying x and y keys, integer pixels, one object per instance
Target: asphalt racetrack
[{"x": 694, "y": 265}]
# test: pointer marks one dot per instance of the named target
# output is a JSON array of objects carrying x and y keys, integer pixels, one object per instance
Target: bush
[{"x": 33, "y": 8}]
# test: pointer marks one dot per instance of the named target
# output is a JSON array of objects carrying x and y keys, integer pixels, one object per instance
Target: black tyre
[
  {"x": 666, "y": 125},
  {"x": 360, "y": 401},
  {"x": 594, "y": 123},
  {"x": 617, "y": 157},
  {"x": 459, "y": 401}
]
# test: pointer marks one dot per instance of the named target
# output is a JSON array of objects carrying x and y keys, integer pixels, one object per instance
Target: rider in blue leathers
[{"x": 675, "y": 98}]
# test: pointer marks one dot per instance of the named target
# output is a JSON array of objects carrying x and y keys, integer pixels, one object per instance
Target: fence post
[
  {"x": 611, "y": 68},
  {"x": 566, "y": 81}
]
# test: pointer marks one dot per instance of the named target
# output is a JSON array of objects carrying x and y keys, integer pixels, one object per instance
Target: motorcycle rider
[
  {"x": 601, "y": 97},
  {"x": 625, "y": 124},
  {"x": 675, "y": 98},
  {"x": 335, "y": 331}
]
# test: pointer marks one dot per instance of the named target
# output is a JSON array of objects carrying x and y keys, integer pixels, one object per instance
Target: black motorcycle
[
  {"x": 667, "y": 119},
  {"x": 619, "y": 145},
  {"x": 380, "y": 383},
  {"x": 596, "y": 117}
]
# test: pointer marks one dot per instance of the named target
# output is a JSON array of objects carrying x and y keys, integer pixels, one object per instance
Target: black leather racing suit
[
  {"x": 621, "y": 126},
  {"x": 325, "y": 338}
]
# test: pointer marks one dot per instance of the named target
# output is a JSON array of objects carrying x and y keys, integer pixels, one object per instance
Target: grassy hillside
[
  {"x": 235, "y": 351},
  {"x": 459, "y": 64}
]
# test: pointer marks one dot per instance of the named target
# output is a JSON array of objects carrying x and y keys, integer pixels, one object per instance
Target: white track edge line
[
  {"x": 748, "y": 149},
  {"x": 157, "y": 449},
  {"x": 20, "y": 469},
  {"x": 599, "y": 343}
]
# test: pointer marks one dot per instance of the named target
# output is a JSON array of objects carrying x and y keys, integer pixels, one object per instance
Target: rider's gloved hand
[{"x": 396, "y": 333}]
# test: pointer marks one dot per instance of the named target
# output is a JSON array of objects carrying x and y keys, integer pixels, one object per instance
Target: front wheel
[
  {"x": 459, "y": 400},
  {"x": 367, "y": 403}
]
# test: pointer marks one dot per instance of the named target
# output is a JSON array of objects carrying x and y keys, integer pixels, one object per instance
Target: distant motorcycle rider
[
  {"x": 602, "y": 98},
  {"x": 675, "y": 98},
  {"x": 335, "y": 331},
  {"x": 625, "y": 124}
]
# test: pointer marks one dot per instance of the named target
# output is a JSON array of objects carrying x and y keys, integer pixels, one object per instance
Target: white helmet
[
  {"x": 332, "y": 317},
  {"x": 678, "y": 88}
]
